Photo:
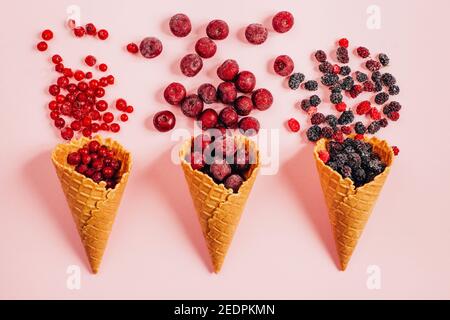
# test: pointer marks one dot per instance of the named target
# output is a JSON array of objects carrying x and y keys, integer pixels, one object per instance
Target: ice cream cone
[
  {"x": 93, "y": 206},
  {"x": 219, "y": 209},
  {"x": 349, "y": 208}
]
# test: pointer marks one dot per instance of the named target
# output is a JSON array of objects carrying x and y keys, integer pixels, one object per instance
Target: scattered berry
[
  {"x": 311, "y": 85},
  {"x": 317, "y": 118},
  {"x": 208, "y": 93},
  {"x": 336, "y": 98},
  {"x": 363, "y": 107},
  {"x": 283, "y": 21},
  {"x": 164, "y": 121},
  {"x": 294, "y": 125},
  {"x": 341, "y": 106},
  {"x": 229, "y": 117},
  {"x": 363, "y": 52},
  {"x": 342, "y": 55},
  {"x": 180, "y": 25},
  {"x": 314, "y": 100},
  {"x": 90, "y": 60},
  {"x": 191, "y": 64},
  {"x": 346, "y": 117},
  {"x": 103, "y": 34},
  {"x": 42, "y": 46},
  {"x": 243, "y": 105},
  {"x": 192, "y": 106},
  {"x": 91, "y": 29},
  {"x": 320, "y": 56},
  {"x": 208, "y": 119},
  {"x": 381, "y": 98},
  {"x": 374, "y": 127},
  {"x": 249, "y": 126},
  {"x": 174, "y": 93},
  {"x": 360, "y": 128},
  {"x": 373, "y": 65},
  {"x": 345, "y": 71},
  {"x": 283, "y": 65},
  {"x": 384, "y": 59},
  {"x": 150, "y": 47},
  {"x": 245, "y": 81},
  {"x": 343, "y": 43},
  {"x": 262, "y": 99},
  {"x": 228, "y": 70},
  {"x": 326, "y": 67},
  {"x": 396, "y": 150},
  {"x": 47, "y": 35},
  {"x": 314, "y": 133},
  {"x": 217, "y": 30},
  {"x": 226, "y": 92},
  {"x": 295, "y": 80},
  {"x": 132, "y": 48},
  {"x": 79, "y": 32},
  {"x": 256, "y": 33},
  {"x": 205, "y": 47},
  {"x": 394, "y": 115}
]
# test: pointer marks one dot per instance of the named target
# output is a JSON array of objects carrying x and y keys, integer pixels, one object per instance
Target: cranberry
[
  {"x": 205, "y": 47},
  {"x": 150, "y": 47},
  {"x": 124, "y": 117},
  {"x": 101, "y": 105},
  {"x": 78, "y": 75},
  {"x": 54, "y": 90},
  {"x": 262, "y": 99},
  {"x": 121, "y": 104},
  {"x": 217, "y": 30},
  {"x": 132, "y": 48},
  {"x": 93, "y": 84},
  {"x": 228, "y": 70},
  {"x": 108, "y": 117},
  {"x": 91, "y": 29},
  {"x": 47, "y": 35},
  {"x": 283, "y": 21},
  {"x": 102, "y": 34},
  {"x": 82, "y": 86},
  {"x": 114, "y": 127},
  {"x": 56, "y": 58},
  {"x": 42, "y": 46},
  {"x": 208, "y": 119},
  {"x": 74, "y": 158},
  {"x": 256, "y": 33},
  {"x": 102, "y": 67},
  {"x": 283, "y": 65},
  {"x": 83, "y": 151},
  {"x": 245, "y": 81},
  {"x": 90, "y": 60},
  {"x": 174, "y": 93},
  {"x": 249, "y": 126},
  {"x": 76, "y": 125},
  {"x": 79, "y": 32},
  {"x": 53, "y": 105},
  {"x": 191, "y": 64},
  {"x": 294, "y": 125},
  {"x": 226, "y": 92},
  {"x": 243, "y": 105},
  {"x": 86, "y": 121},
  {"x": 229, "y": 117},
  {"x": 95, "y": 127},
  {"x": 67, "y": 133},
  {"x": 192, "y": 106},
  {"x": 180, "y": 25},
  {"x": 104, "y": 127},
  {"x": 207, "y": 93},
  {"x": 164, "y": 121},
  {"x": 343, "y": 43}
]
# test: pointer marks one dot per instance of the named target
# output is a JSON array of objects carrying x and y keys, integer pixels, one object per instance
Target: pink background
[{"x": 284, "y": 247}]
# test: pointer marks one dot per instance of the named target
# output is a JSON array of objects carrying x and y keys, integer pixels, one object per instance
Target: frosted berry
[
  {"x": 262, "y": 99},
  {"x": 205, "y": 47},
  {"x": 283, "y": 65},
  {"x": 249, "y": 126},
  {"x": 229, "y": 117},
  {"x": 243, "y": 105},
  {"x": 192, "y": 106},
  {"x": 150, "y": 47},
  {"x": 256, "y": 33},
  {"x": 208, "y": 93},
  {"x": 217, "y": 30},
  {"x": 208, "y": 119},
  {"x": 180, "y": 25},
  {"x": 226, "y": 92},
  {"x": 228, "y": 70},
  {"x": 283, "y": 21},
  {"x": 174, "y": 93},
  {"x": 191, "y": 64},
  {"x": 164, "y": 121},
  {"x": 363, "y": 52}
]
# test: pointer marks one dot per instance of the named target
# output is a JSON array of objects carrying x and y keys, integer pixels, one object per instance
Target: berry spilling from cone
[
  {"x": 222, "y": 158},
  {"x": 97, "y": 162},
  {"x": 353, "y": 159}
]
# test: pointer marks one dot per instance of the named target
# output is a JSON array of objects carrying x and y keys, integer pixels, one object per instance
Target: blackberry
[
  {"x": 331, "y": 120},
  {"x": 336, "y": 97},
  {"x": 346, "y": 172},
  {"x": 336, "y": 89},
  {"x": 369, "y": 86},
  {"x": 345, "y": 71},
  {"x": 363, "y": 52},
  {"x": 388, "y": 79},
  {"x": 373, "y": 65},
  {"x": 360, "y": 128},
  {"x": 394, "y": 90},
  {"x": 346, "y": 117},
  {"x": 305, "y": 104},
  {"x": 341, "y": 159},
  {"x": 361, "y": 76},
  {"x": 374, "y": 127},
  {"x": 381, "y": 98},
  {"x": 326, "y": 67},
  {"x": 378, "y": 86},
  {"x": 347, "y": 83},
  {"x": 376, "y": 166},
  {"x": 333, "y": 165},
  {"x": 376, "y": 75},
  {"x": 327, "y": 132},
  {"x": 384, "y": 59},
  {"x": 311, "y": 85},
  {"x": 314, "y": 100},
  {"x": 342, "y": 55},
  {"x": 317, "y": 118},
  {"x": 383, "y": 123},
  {"x": 295, "y": 79},
  {"x": 354, "y": 160},
  {"x": 321, "y": 56},
  {"x": 329, "y": 79},
  {"x": 334, "y": 147},
  {"x": 359, "y": 177},
  {"x": 395, "y": 106},
  {"x": 314, "y": 133}
]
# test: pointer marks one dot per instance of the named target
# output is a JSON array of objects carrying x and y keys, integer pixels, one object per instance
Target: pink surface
[{"x": 283, "y": 247}]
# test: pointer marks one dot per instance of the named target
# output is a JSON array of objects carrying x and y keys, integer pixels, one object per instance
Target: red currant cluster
[{"x": 90, "y": 29}]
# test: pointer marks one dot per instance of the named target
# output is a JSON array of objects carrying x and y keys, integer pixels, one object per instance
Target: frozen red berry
[
  {"x": 341, "y": 106},
  {"x": 217, "y": 30},
  {"x": 197, "y": 160},
  {"x": 245, "y": 81},
  {"x": 164, "y": 121},
  {"x": 192, "y": 106},
  {"x": 226, "y": 92},
  {"x": 262, "y": 99},
  {"x": 102, "y": 34},
  {"x": 396, "y": 150},
  {"x": 132, "y": 48},
  {"x": 294, "y": 125},
  {"x": 174, "y": 93},
  {"x": 249, "y": 126},
  {"x": 180, "y": 25},
  {"x": 79, "y": 32},
  {"x": 91, "y": 29},
  {"x": 373, "y": 65},
  {"x": 324, "y": 156},
  {"x": 363, "y": 52},
  {"x": 208, "y": 93},
  {"x": 191, "y": 64},
  {"x": 243, "y": 105},
  {"x": 356, "y": 90},
  {"x": 220, "y": 170},
  {"x": 359, "y": 137},
  {"x": 256, "y": 33},
  {"x": 343, "y": 43},
  {"x": 394, "y": 115},
  {"x": 346, "y": 130},
  {"x": 234, "y": 182},
  {"x": 228, "y": 70},
  {"x": 229, "y": 117},
  {"x": 283, "y": 21},
  {"x": 363, "y": 107},
  {"x": 283, "y": 65},
  {"x": 205, "y": 47},
  {"x": 67, "y": 133},
  {"x": 42, "y": 46},
  {"x": 90, "y": 60},
  {"x": 73, "y": 158},
  {"x": 150, "y": 47},
  {"x": 47, "y": 35},
  {"x": 374, "y": 114},
  {"x": 208, "y": 119}
]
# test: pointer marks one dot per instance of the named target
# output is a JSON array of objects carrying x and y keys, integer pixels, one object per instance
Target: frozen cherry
[
  {"x": 220, "y": 169},
  {"x": 73, "y": 158},
  {"x": 93, "y": 146},
  {"x": 192, "y": 106},
  {"x": 243, "y": 105},
  {"x": 207, "y": 93},
  {"x": 91, "y": 29},
  {"x": 245, "y": 81},
  {"x": 102, "y": 34},
  {"x": 191, "y": 64},
  {"x": 205, "y": 47},
  {"x": 249, "y": 126},
  {"x": 283, "y": 21},
  {"x": 150, "y": 47},
  {"x": 234, "y": 182},
  {"x": 208, "y": 119},
  {"x": 42, "y": 46},
  {"x": 228, "y": 70},
  {"x": 164, "y": 121},
  {"x": 67, "y": 133},
  {"x": 256, "y": 33},
  {"x": 262, "y": 99},
  {"x": 90, "y": 60},
  {"x": 47, "y": 35},
  {"x": 229, "y": 117},
  {"x": 217, "y": 30},
  {"x": 224, "y": 147},
  {"x": 180, "y": 25},
  {"x": 174, "y": 93},
  {"x": 226, "y": 92},
  {"x": 132, "y": 48},
  {"x": 283, "y": 65}
]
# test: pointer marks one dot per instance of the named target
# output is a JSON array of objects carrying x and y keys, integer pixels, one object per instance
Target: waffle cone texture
[
  {"x": 93, "y": 207},
  {"x": 219, "y": 210},
  {"x": 349, "y": 208}
]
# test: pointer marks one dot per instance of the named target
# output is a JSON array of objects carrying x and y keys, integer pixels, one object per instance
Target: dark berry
[
  {"x": 311, "y": 85},
  {"x": 394, "y": 115},
  {"x": 336, "y": 98},
  {"x": 394, "y": 90},
  {"x": 342, "y": 55},
  {"x": 378, "y": 86},
  {"x": 356, "y": 90},
  {"x": 317, "y": 118},
  {"x": 321, "y": 56},
  {"x": 392, "y": 106},
  {"x": 373, "y": 127},
  {"x": 383, "y": 123},
  {"x": 388, "y": 79},
  {"x": 243, "y": 105},
  {"x": 234, "y": 182},
  {"x": 295, "y": 80},
  {"x": 345, "y": 71},
  {"x": 249, "y": 126},
  {"x": 164, "y": 121},
  {"x": 347, "y": 83},
  {"x": 346, "y": 117},
  {"x": 376, "y": 76},
  {"x": 361, "y": 76},
  {"x": 326, "y": 67},
  {"x": 384, "y": 59},
  {"x": 329, "y": 79},
  {"x": 205, "y": 47},
  {"x": 314, "y": 133},
  {"x": 305, "y": 104},
  {"x": 368, "y": 86},
  {"x": 229, "y": 117},
  {"x": 363, "y": 52},
  {"x": 331, "y": 120},
  {"x": 192, "y": 106},
  {"x": 373, "y": 65},
  {"x": 381, "y": 98},
  {"x": 314, "y": 100},
  {"x": 327, "y": 132},
  {"x": 360, "y": 128}
]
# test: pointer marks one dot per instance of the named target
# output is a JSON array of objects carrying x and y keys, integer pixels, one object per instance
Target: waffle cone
[
  {"x": 349, "y": 208},
  {"x": 219, "y": 209},
  {"x": 93, "y": 207}
]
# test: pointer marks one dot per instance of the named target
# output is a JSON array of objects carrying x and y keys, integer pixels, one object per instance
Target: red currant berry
[
  {"x": 102, "y": 34},
  {"x": 101, "y": 105},
  {"x": 91, "y": 29},
  {"x": 110, "y": 79},
  {"x": 99, "y": 92},
  {"x": 87, "y": 132},
  {"x": 90, "y": 60},
  {"x": 343, "y": 43},
  {"x": 79, "y": 75},
  {"x": 54, "y": 90},
  {"x": 88, "y": 75},
  {"x": 103, "y": 82},
  {"x": 52, "y": 105},
  {"x": 121, "y": 104},
  {"x": 129, "y": 109},
  {"x": 63, "y": 81},
  {"x": 103, "y": 67},
  {"x": 124, "y": 117},
  {"x": 115, "y": 127},
  {"x": 47, "y": 35},
  {"x": 132, "y": 48},
  {"x": 108, "y": 117},
  {"x": 104, "y": 127},
  {"x": 59, "y": 68},
  {"x": 294, "y": 125},
  {"x": 56, "y": 58},
  {"x": 42, "y": 46},
  {"x": 79, "y": 32},
  {"x": 95, "y": 127},
  {"x": 68, "y": 72}
]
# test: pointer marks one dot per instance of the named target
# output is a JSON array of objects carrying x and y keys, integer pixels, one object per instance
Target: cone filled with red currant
[
  {"x": 220, "y": 171},
  {"x": 93, "y": 175}
]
